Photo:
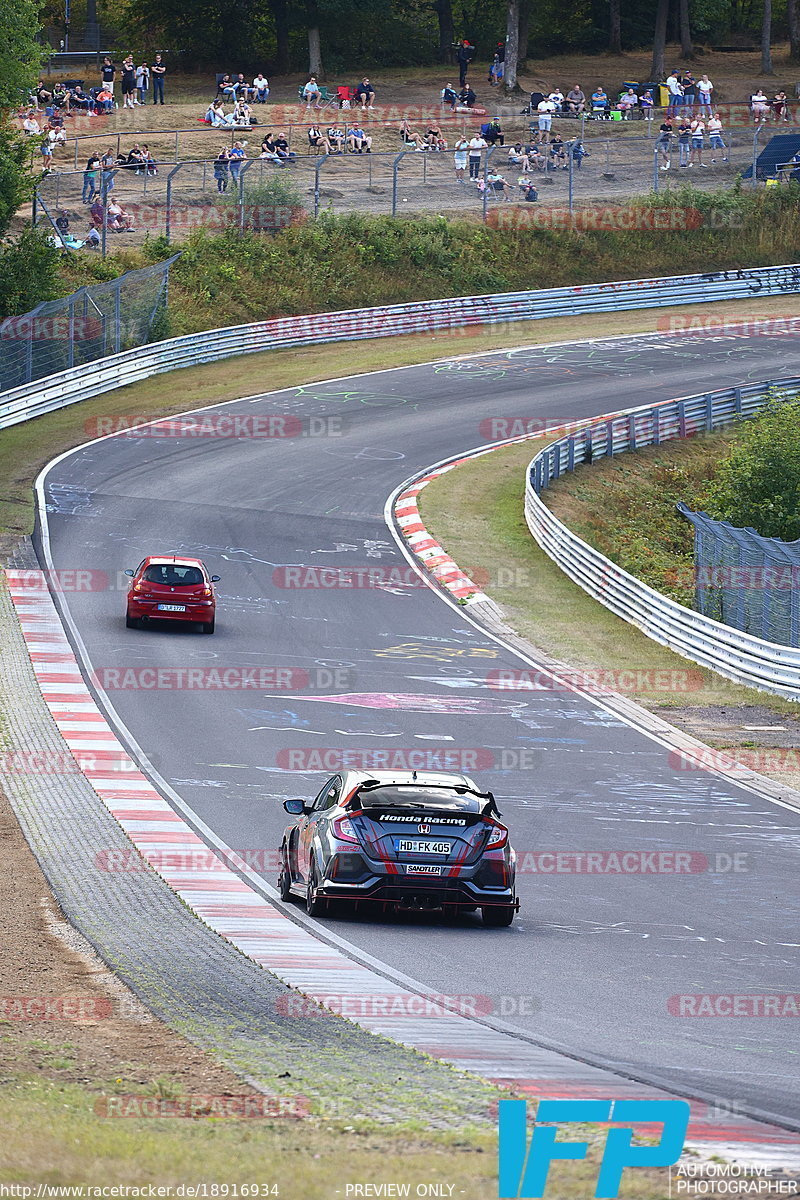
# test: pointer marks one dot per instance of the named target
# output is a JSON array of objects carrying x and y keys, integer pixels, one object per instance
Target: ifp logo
[{"x": 523, "y": 1170}]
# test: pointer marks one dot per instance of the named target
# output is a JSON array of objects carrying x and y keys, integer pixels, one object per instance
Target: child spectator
[
  {"x": 236, "y": 156},
  {"x": 663, "y": 142},
  {"x": 684, "y": 141}
]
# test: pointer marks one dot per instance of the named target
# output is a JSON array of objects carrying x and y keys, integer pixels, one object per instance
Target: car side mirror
[
  {"x": 215, "y": 578},
  {"x": 131, "y": 573},
  {"x": 295, "y": 807}
]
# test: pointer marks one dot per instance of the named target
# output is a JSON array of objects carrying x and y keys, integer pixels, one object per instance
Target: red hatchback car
[{"x": 167, "y": 588}]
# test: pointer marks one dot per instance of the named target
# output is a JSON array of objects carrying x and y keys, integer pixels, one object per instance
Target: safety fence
[
  {"x": 91, "y": 324},
  {"x": 740, "y": 656},
  {"x": 454, "y": 313},
  {"x": 744, "y": 580}
]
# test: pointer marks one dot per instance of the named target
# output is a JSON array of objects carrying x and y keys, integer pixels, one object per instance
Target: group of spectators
[{"x": 690, "y": 133}]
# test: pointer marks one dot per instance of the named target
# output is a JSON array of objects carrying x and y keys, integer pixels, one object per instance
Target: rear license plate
[
  {"x": 422, "y": 869},
  {"x": 172, "y": 608},
  {"x": 408, "y": 847}
]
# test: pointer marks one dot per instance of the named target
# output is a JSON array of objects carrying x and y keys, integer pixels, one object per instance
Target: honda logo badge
[{"x": 423, "y": 828}]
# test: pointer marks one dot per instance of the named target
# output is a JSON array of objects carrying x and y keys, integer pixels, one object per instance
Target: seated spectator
[
  {"x": 557, "y": 96},
  {"x": 62, "y": 222},
  {"x": 358, "y": 141},
  {"x": 241, "y": 114},
  {"x": 528, "y": 188},
  {"x": 496, "y": 183},
  {"x": 311, "y": 93},
  {"x": 627, "y": 102},
  {"x": 225, "y": 86},
  {"x": 43, "y": 95},
  {"x": 60, "y": 98},
  {"x": 133, "y": 160},
  {"x": 435, "y": 138},
  {"x": 241, "y": 88},
  {"x": 600, "y": 106},
  {"x": 779, "y": 106},
  {"x": 492, "y": 133},
  {"x": 318, "y": 141},
  {"x": 449, "y": 96},
  {"x": 336, "y": 139},
  {"x": 104, "y": 100},
  {"x": 285, "y": 155},
  {"x": 760, "y": 106},
  {"x": 466, "y": 96},
  {"x": 79, "y": 99},
  {"x": 558, "y": 153},
  {"x": 365, "y": 94},
  {"x": 148, "y": 161},
  {"x": 578, "y": 150},
  {"x": 260, "y": 89},
  {"x": 528, "y": 158},
  {"x": 409, "y": 138},
  {"x": 576, "y": 101},
  {"x": 647, "y": 104},
  {"x": 269, "y": 150},
  {"x": 794, "y": 162},
  {"x": 215, "y": 113},
  {"x": 93, "y": 238},
  {"x": 31, "y": 125},
  {"x": 497, "y": 70}
]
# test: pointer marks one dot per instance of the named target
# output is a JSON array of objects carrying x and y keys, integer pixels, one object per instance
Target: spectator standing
[
  {"x": 684, "y": 141},
  {"x": 545, "y": 109},
  {"x": 221, "y": 169},
  {"x": 464, "y": 55},
  {"x": 704, "y": 89},
  {"x": 365, "y": 94},
  {"x": 675, "y": 89},
  {"x": 698, "y": 136},
  {"x": 689, "y": 92},
  {"x": 46, "y": 150},
  {"x": 143, "y": 81},
  {"x": 461, "y": 152},
  {"x": 236, "y": 156},
  {"x": 715, "y": 137},
  {"x": 477, "y": 145},
  {"x": 664, "y": 141},
  {"x": 108, "y": 73},
  {"x": 576, "y": 100},
  {"x": 91, "y": 176},
  {"x": 158, "y": 70},
  {"x": 128, "y": 83},
  {"x": 496, "y": 71},
  {"x": 260, "y": 88}
]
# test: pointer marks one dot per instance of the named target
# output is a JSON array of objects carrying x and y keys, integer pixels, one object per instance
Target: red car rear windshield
[{"x": 173, "y": 575}]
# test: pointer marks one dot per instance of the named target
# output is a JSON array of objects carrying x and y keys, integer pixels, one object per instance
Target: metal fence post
[
  {"x": 168, "y": 218},
  {"x": 118, "y": 316},
  {"x": 244, "y": 167},
  {"x": 71, "y": 340},
  {"x": 655, "y": 169},
  {"x": 571, "y": 157},
  {"x": 489, "y": 154},
  {"x": 317, "y": 169},
  {"x": 756, "y": 136},
  {"x": 395, "y": 165},
  {"x": 105, "y": 176},
  {"x": 35, "y": 207}
]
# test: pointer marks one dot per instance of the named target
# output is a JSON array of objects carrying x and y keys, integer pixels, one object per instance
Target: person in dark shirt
[
  {"x": 466, "y": 96},
  {"x": 464, "y": 55},
  {"x": 158, "y": 71}
]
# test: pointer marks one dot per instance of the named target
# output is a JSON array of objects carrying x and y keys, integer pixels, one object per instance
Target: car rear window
[
  {"x": 420, "y": 797},
  {"x": 173, "y": 575}
]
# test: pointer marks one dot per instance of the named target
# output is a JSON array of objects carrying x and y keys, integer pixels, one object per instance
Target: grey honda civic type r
[{"x": 400, "y": 840}]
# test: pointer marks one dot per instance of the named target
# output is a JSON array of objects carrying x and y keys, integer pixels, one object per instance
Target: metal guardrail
[
  {"x": 70, "y": 386},
  {"x": 739, "y": 656}
]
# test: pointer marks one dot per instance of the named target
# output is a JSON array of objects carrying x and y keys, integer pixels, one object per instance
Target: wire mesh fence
[
  {"x": 745, "y": 580},
  {"x": 95, "y": 321}
]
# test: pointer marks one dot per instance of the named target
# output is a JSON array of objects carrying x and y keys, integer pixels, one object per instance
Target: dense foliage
[{"x": 757, "y": 484}]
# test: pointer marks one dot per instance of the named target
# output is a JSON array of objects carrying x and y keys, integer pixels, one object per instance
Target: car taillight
[
  {"x": 207, "y": 591},
  {"x": 345, "y": 830},
  {"x": 498, "y": 836},
  {"x": 138, "y": 587}
]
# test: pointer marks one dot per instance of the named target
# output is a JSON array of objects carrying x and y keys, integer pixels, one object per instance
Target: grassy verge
[
  {"x": 24, "y": 449},
  {"x": 355, "y": 261},
  {"x": 476, "y": 512}
]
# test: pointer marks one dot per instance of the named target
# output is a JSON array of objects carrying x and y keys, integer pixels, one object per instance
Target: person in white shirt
[
  {"x": 143, "y": 82},
  {"x": 675, "y": 89},
  {"x": 311, "y": 93},
  {"x": 557, "y": 96},
  {"x": 31, "y": 126},
  {"x": 477, "y": 146},
  {"x": 704, "y": 89},
  {"x": 545, "y": 109},
  {"x": 715, "y": 137},
  {"x": 260, "y": 88},
  {"x": 759, "y": 105}
]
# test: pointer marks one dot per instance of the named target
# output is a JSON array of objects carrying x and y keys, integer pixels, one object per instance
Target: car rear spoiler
[{"x": 489, "y": 809}]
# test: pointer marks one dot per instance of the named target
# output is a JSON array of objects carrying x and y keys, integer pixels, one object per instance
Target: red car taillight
[
  {"x": 498, "y": 836},
  {"x": 344, "y": 830}
]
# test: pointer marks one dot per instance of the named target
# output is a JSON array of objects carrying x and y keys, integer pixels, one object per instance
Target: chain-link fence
[
  {"x": 95, "y": 321},
  {"x": 747, "y": 581}
]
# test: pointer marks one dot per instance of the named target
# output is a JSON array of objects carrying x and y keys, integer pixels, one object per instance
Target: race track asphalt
[{"x": 592, "y": 961}]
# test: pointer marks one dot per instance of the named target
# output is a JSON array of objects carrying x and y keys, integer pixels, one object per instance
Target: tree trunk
[
  {"x": 687, "y": 49},
  {"x": 659, "y": 41},
  {"x": 766, "y": 40},
  {"x": 614, "y": 27},
  {"x": 524, "y": 29},
  {"x": 512, "y": 47},
  {"x": 280, "y": 15},
  {"x": 314, "y": 51},
  {"x": 794, "y": 30},
  {"x": 444, "y": 13}
]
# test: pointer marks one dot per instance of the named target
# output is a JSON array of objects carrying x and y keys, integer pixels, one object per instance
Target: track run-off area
[{"x": 594, "y": 962}]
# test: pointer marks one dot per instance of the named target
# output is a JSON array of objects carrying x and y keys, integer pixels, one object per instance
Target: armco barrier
[
  {"x": 68, "y": 387},
  {"x": 736, "y": 655}
]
